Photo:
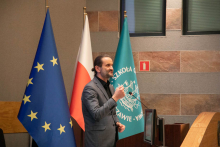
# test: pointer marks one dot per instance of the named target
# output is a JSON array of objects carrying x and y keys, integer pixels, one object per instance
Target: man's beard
[{"x": 107, "y": 75}]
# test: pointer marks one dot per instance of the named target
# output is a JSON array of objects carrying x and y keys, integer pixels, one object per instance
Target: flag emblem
[{"x": 129, "y": 102}]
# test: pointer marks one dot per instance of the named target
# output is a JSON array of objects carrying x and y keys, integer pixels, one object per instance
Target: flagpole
[
  {"x": 46, "y": 5},
  {"x": 84, "y": 15},
  {"x": 82, "y": 132},
  {"x": 125, "y": 14}
]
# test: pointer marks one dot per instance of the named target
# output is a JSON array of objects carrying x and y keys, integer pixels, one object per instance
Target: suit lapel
[{"x": 99, "y": 85}]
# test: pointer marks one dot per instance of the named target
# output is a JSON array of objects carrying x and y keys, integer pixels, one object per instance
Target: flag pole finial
[
  {"x": 125, "y": 12},
  {"x": 84, "y": 14},
  {"x": 46, "y": 5}
]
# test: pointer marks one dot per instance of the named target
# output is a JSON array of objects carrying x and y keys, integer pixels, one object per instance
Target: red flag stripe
[{"x": 82, "y": 77}]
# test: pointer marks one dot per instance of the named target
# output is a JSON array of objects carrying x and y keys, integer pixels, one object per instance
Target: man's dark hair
[{"x": 98, "y": 62}]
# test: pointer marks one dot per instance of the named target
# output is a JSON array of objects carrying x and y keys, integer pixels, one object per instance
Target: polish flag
[{"x": 82, "y": 75}]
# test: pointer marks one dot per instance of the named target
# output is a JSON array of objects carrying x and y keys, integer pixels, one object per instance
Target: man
[{"x": 99, "y": 106}]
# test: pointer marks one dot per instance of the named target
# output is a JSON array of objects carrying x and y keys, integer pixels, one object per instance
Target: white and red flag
[{"x": 82, "y": 75}]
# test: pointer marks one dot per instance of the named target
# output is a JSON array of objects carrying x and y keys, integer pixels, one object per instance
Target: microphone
[{"x": 137, "y": 99}]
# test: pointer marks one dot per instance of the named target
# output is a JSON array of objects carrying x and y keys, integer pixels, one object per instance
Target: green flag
[{"x": 129, "y": 110}]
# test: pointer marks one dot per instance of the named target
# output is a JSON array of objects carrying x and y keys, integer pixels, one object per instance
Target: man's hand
[
  {"x": 119, "y": 93},
  {"x": 121, "y": 127}
]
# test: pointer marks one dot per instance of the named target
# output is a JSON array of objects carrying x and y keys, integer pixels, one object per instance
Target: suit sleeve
[
  {"x": 114, "y": 114},
  {"x": 90, "y": 100},
  {"x": 115, "y": 117}
]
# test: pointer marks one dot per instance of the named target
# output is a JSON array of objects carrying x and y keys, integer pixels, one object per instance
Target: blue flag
[
  {"x": 44, "y": 110},
  {"x": 129, "y": 109}
]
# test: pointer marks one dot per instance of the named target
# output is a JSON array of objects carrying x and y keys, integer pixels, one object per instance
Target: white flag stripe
[
  {"x": 77, "y": 59},
  {"x": 86, "y": 50}
]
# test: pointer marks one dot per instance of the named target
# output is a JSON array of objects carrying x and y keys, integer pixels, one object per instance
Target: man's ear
[{"x": 98, "y": 69}]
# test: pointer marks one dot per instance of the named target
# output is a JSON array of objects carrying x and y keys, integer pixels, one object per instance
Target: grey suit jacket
[{"x": 99, "y": 115}]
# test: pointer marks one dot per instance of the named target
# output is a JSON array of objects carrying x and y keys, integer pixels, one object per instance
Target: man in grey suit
[{"x": 99, "y": 106}]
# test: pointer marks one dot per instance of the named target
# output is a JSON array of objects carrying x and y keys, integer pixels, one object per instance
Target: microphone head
[{"x": 130, "y": 93}]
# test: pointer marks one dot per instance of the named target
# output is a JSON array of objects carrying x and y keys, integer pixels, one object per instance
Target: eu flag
[{"x": 44, "y": 110}]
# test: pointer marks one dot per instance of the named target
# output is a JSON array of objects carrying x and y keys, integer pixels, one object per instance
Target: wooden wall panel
[{"x": 9, "y": 122}]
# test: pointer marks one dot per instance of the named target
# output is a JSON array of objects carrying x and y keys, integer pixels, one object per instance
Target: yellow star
[
  {"x": 71, "y": 123},
  {"x": 46, "y": 126},
  {"x": 29, "y": 82},
  {"x": 61, "y": 129},
  {"x": 54, "y": 61},
  {"x": 33, "y": 115},
  {"x": 39, "y": 67},
  {"x": 26, "y": 99}
]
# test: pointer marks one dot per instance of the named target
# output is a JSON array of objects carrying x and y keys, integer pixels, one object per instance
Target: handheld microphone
[{"x": 137, "y": 99}]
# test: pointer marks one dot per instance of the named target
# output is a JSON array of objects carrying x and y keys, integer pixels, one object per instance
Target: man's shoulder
[
  {"x": 91, "y": 84},
  {"x": 90, "y": 88}
]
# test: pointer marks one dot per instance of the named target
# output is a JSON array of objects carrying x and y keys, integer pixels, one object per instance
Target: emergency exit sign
[{"x": 144, "y": 65}]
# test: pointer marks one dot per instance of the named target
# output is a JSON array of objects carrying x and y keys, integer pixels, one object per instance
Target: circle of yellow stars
[{"x": 26, "y": 99}]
